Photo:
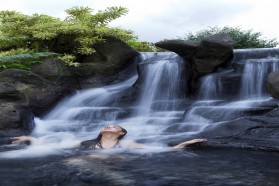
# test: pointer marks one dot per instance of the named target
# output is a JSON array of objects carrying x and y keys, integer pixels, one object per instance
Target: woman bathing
[{"x": 109, "y": 137}]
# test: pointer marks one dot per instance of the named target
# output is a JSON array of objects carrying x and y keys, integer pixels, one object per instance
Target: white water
[
  {"x": 158, "y": 114},
  {"x": 255, "y": 75},
  {"x": 252, "y": 93}
]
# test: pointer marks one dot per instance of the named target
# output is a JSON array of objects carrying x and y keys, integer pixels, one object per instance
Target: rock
[
  {"x": 15, "y": 119},
  {"x": 205, "y": 56},
  {"x": 94, "y": 74},
  {"x": 57, "y": 72},
  {"x": 253, "y": 132},
  {"x": 273, "y": 84},
  {"x": 104, "y": 66},
  {"x": 185, "y": 49},
  {"x": 30, "y": 89},
  {"x": 213, "y": 52},
  {"x": 23, "y": 94}
]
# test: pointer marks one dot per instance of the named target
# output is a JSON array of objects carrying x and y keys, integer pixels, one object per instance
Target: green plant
[
  {"x": 23, "y": 61},
  {"x": 142, "y": 46},
  {"x": 73, "y": 37},
  {"x": 242, "y": 38}
]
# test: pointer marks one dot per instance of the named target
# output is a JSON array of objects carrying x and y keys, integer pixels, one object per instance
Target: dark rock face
[
  {"x": 213, "y": 52},
  {"x": 185, "y": 49},
  {"x": 205, "y": 56},
  {"x": 29, "y": 89},
  {"x": 104, "y": 66},
  {"x": 23, "y": 94},
  {"x": 273, "y": 84},
  {"x": 56, "y": 71},
  {"x": 250, "y": 132}
]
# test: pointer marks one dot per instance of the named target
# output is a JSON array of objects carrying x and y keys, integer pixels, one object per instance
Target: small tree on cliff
[
  {"x": 242, "y": 38},
  {"x": 71, "y": 38}
]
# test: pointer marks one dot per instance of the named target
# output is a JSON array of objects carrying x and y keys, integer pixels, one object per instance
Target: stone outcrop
[
  {"x": 57, "y": 72},
  {"x": 23, "y": 94},
  {"x": 252, "y": 132},
  {"x": 205, "y": 55},
  {"x": 185, "y": 49},
  {"x": 273, "y": 84},
  {"x": 105, "y": 65}
]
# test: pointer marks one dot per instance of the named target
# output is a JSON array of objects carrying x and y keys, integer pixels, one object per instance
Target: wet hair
[
  {"x": 90, "y": 144},
  {"x": 124, "y": 131}
]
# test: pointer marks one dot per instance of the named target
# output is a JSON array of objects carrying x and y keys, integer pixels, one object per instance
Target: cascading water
[
  {"x": 81, "y": 116},
  {"x": 255, "y": 65},
  {"x": 161, "y": 112},
  {"x": 255, "y": 75},
  {"x": 161, "y": 76},
  {"x": 158, "y": 115}
]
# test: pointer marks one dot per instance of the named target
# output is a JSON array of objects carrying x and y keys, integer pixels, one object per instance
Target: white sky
[{"x": 155, "y": 20}]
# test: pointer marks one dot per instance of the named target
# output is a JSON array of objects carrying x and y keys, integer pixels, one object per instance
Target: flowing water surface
[{"x": 161, "y": 113}]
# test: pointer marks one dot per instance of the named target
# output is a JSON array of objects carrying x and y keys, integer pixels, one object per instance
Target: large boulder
[
  {"x": 254, "y": 132},
  {"x": 185, "y": 49},
  {"x": 24, "y": 94},
  {"x": 16, "y": 120},
  {"x": 57, "y": 72},
  {"x": 30, "y": 89},
  {"x": 213, "y": 52},
  {"x": 273, "y": 84},
  {"x": 205, "y": 56},
  {"x": 104, "y": 66}
]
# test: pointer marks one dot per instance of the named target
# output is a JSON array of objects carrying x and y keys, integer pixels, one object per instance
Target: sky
[{"x": 155, "y": 20}]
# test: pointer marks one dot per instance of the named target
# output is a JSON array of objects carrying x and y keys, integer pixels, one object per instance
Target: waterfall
[
  {"x": 161, "y": 75},
  {"x": 160, "y": 112},
  {"x": 254, "y": 77},
  {"x": 215, "y": 105}
]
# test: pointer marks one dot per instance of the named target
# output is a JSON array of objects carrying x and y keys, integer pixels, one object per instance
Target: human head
[{"x": 115, "y": 129}]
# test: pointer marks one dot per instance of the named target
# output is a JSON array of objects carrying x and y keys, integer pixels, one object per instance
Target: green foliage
[
  {"x": 142, "y": 46},
  {"x": 8, "y": 43},
  {"x": 23, "y": 61},
  {"x": 73, "y": 37},
  {"x": 69, "y": 59},
  {"x": 242, "y": 38}
]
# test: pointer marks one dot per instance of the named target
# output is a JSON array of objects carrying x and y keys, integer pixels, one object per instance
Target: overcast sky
[{"x": 155, "y": 20}]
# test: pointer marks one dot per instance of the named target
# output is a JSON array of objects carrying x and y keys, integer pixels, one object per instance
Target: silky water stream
[{"x": 156, "y": 117}]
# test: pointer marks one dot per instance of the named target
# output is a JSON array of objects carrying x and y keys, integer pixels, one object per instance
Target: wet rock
[
  {"x": 273, "y": 84},
  {"x": 185, "y": 49},
  {"x": 205, "y": 56},
  {"x": 105, "y": 66},
  {"x": 23, "y": 94},
  {"x": 213, "y": 52},
  {"x": 56, "y": 71},
  {"x": 252, "y": 132}
]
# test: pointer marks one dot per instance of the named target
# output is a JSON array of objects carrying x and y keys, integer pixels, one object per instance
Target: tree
[
  {"x": 71, "y": 38},
  {"x": 242, "y": 38}
]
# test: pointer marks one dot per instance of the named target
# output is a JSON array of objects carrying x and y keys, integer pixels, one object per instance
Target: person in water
[{"x": 110, "y": 137}]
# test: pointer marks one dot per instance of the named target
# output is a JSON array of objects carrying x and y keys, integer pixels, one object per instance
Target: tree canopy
[
  {"x": 242, "y": 38},
  {"x": 72, "y": 37}
]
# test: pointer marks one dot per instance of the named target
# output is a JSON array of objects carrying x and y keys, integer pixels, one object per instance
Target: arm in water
[
  {"x": 135, "y": 145},
  {"x": 129, "y": 144},
  {"x": 22, "y": 139},
  {"x": 190, "y": 142}
]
